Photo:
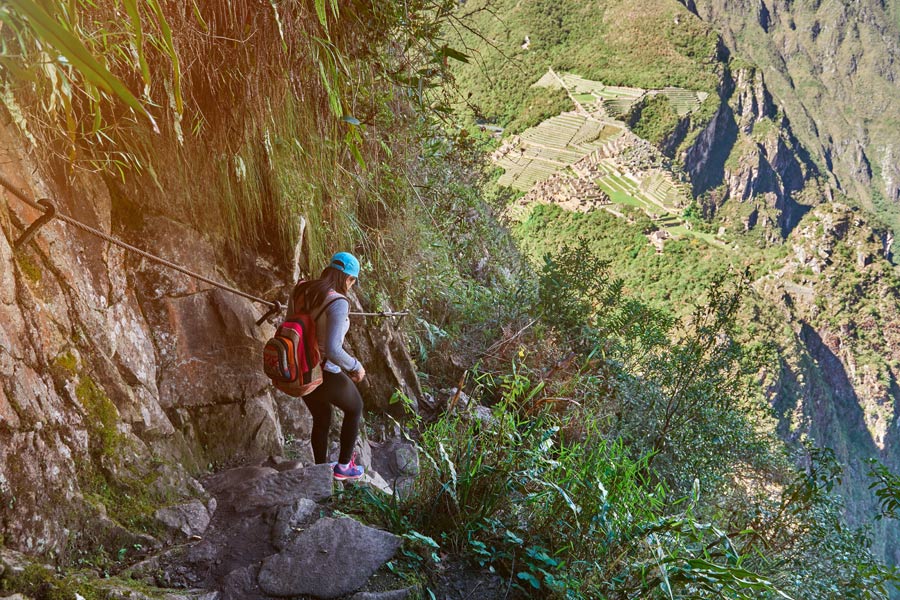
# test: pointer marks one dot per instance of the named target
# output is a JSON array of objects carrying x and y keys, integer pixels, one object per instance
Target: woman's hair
[{"x": 310, "y": 294}]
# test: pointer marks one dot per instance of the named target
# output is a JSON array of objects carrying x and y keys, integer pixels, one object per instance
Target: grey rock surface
[
  {"x": 332, "y": 558},
  {"x": 218, "y": 483},
  {"x": 240, "y": 584},
  {"x": 194, "y": 595},
  {"x": 191, "y": 518},
  {"x": 388, "y": 595},
  {"x": 279, "y": 489},
  {"x": 290, "y": 519}
]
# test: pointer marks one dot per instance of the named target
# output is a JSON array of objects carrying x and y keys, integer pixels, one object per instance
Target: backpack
[{"x": 291, "y": 358}]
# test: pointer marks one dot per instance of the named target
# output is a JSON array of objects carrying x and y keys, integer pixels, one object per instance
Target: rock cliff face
[
  {"x": 837, "y": 379},
  {"x": 834, "y": 67},
  {"x": 120, "y": 379},
  {"x": 833, "y": 296},
  {"x": 747, "y": 153}
]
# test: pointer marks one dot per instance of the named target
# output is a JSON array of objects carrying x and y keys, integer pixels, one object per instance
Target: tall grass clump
[{"x": 551, "y": 502}]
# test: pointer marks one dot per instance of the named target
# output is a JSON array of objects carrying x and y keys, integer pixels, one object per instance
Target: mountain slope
[
  {"x": 834, "y": 67},
  {"x": 824, "y": 286}
]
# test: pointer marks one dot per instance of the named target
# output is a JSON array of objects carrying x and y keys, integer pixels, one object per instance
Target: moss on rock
[
  {"x": 102, "y": 416},
  {"x": 29, "y": 268}
]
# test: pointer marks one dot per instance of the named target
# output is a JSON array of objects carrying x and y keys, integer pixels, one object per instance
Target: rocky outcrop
[
  {"x": 837, "y": 380},
  {"x": 833, "y": 68},
  {"x": 332, "y": 558},
  {"x": 120, "y": 379},
  {"x": 748, "y": 149},
  {"x": 273, "y": 535}
]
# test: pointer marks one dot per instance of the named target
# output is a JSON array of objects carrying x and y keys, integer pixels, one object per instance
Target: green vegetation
[
  {"x": 646, "y": 441},
  {"x": 67, "y": 362},
  {"x": 539, "y": 105},
  {"x": 313, "y": 95},
  {"x": 109, "y": 477},
  {"x": 628, "y": 448},
  {"x": 671, "y": 279},
  {"x": 30, "y": 268},
  {"x": 653, "y": 119},
  {"x": 616, "y": 42},
  {"x": 101, "y": 417},
  {"x": 40, "y": 583}
]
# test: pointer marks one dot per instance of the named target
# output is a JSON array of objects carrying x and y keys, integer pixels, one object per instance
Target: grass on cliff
[{"x": 295, "y": 120}]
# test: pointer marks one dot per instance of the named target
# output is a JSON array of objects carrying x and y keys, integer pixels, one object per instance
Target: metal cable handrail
[{"x": 50, "y": 211}]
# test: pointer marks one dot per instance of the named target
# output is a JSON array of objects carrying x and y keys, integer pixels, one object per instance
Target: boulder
[
  {"x": 332, "y": 558},
  {"x": 218, "y": 483},
  {"x": 280, "y": 463},
  {"x": 290, "y": 518},
  {"x": 240, "y": 584},
  {"x": 248, "y": 428},
  {"x": 12, "y": 562},
  {"x": 388, "y": 595},
  {"x": 194, "y": 595},
  {"x": 397, "y": 462},
  {"x": 374, "y": 481},
  {"x": 191, "y": 518}
]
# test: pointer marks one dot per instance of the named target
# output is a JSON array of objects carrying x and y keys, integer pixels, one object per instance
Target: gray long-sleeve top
[{"x": 331, "y": 327}]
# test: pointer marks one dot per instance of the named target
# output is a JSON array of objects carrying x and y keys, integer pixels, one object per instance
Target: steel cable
[{"x": 273, "y": 306}]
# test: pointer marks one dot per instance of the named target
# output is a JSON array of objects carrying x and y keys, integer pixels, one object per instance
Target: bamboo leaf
[
  {"x": 134, "y": 14},
  {"x": 169, "y": 43},
  {"x": 323, "y": 17},
  {"x": 51, "y": 32},
  {"x": 284, "y": 45},
  {"x": 199, "y": 17}
]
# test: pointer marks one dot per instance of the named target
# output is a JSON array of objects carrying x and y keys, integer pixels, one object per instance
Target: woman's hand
[{"x": 358, "y": 375}]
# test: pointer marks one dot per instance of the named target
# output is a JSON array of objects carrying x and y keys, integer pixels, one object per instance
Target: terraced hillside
[
  {"x": 587, "y": 145},
  {"x": 614, "y": 99},
  {"x": 556, "y": 143}
]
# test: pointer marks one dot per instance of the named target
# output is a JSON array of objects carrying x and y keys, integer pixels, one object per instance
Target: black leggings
[{"x": 337, "y": 389}]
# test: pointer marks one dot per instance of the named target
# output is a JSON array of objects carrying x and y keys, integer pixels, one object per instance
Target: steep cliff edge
[
  {"x": 121, "y": 380},
  {"x": 835, "y": 307},
  {"x": 748, "y": 154}
]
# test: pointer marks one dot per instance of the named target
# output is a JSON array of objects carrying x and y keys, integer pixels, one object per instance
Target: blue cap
[{"x": 345, "y": 263}]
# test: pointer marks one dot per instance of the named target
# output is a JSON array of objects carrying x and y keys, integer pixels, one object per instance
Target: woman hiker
[{"x": 325, "y": 297}]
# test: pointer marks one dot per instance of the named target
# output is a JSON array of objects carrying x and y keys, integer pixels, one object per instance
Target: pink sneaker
[{"x": 352, "y": 471}]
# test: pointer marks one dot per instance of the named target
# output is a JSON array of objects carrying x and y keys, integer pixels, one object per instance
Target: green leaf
[
  {"x": 134, "y": 14},
  {"x": 422, "y": 539},
  {"x": 54, "y": 34},
  {"x": 169, "y": 43},
  {"x": 320, "y": 12},
  {"x": 454, "y": 54},
  {"x": 530, "y": 579},
  {"x": 280, "y": 26}
]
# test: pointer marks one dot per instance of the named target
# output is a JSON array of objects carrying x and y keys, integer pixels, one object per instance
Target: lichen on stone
[{"x": 30, "y": 269}]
